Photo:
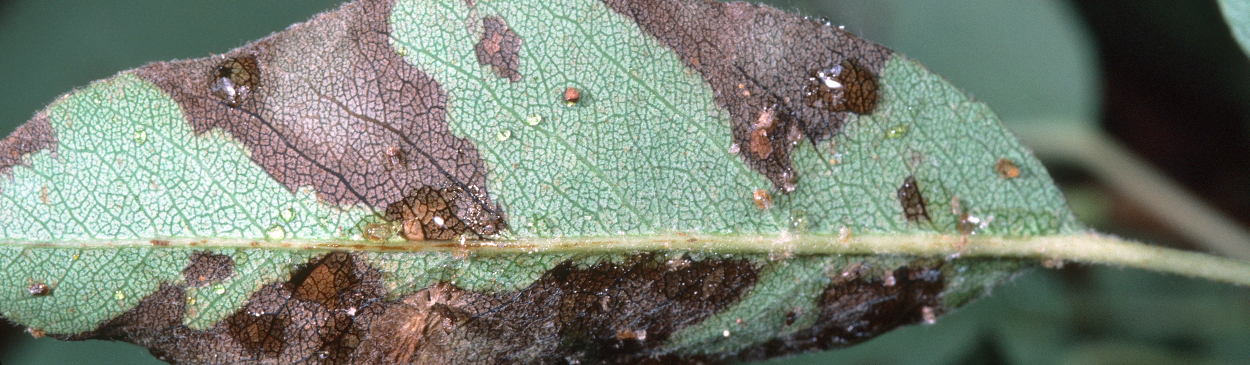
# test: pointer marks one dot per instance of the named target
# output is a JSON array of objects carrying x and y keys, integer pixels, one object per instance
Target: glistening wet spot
[
  {"x": 499, "y": 48},
  {"x": 38, "y": 289},
  {"x": 913, "y": 203},
  {"x": 208, "y": 268},
  {"x": 842, "y": 87},
  {"x": 234, "y": 80},
  {"x": 427, "y": 214}
]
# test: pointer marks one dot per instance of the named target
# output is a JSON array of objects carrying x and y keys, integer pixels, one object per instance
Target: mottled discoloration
[
  {"x": 345, "y": 115},
  {"x": 208, "y": 268},
  {"x": 500, "y": 48},
  {"x": 854, "y": 309},
  {"x": 427, "y": 214},
  {"x": 28, "y": 138},
  {"x": 737, "y": 48}
]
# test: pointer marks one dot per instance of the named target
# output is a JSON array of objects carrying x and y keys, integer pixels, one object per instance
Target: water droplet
[
  {"x": 726, "y": 333},
  {"x": 1006, "y": 168},
  {"x": 287, "y": 214},
  {"x": 119, "y": 295},
  {"x": 798, "y": 220},
  {"x": 896, "y": 131},
  {"x": 191, "y": 301},
  {"x": 403, "y": 51},
  {"x": 842, "y": 87},
  {"x": 930, "y": 315},
  {"x": 572, "y": 96},
  {"x": 762, "y": 199},
  {"x": 968, "y": 224},
  {"x": 503, "y": 134},
  {"x": 140, "y": 136},
  {"x": 378, "y": 231},
  {"x": 220, "y": 289},
  {"x": 38, "y": 289},
  {"x": 275, "y": 233},
  {"x": 534, "y": 119},
  {"x": 235, "y": 79}
]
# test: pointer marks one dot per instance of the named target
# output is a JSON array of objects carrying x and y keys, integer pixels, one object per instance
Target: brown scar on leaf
[
  {"x": 734, "y": 47},
  {"x": 426, "y": 214},
  {"x": 36, "y": 135},
  {"x": 762, "y": 199},
  {"x": 499, "y": 48},
  {"x": 760, "y": 144},
  {"x": 911, "y": 200},
  {"x": 369, "y": 144},
  {"x": 207, "y": 268},
  {"x": 1006, "y": 168}
]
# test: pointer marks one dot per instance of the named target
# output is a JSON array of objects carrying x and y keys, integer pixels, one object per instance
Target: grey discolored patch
[
  {"x": 913, "y": 203},
  {"x": 345, "y": 115},
  {"x": 735, "y": 47},
  {"x": 208, "y": 268},
  {"x": 35, "y": 135},
  {"x": 426, "y": 214},
  {"x": 854, "y": 309},
  {"x": 500, "y": 48}
]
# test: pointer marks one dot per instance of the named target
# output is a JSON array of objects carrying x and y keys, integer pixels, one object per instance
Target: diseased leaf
[{"x": 520, "y": 182}]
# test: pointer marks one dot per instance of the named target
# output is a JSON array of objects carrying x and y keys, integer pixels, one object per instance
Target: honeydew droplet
[
  {"x": 896, "y": 131},
  {"x": 287, "y": 215},
  {"x": 275, "y": 233},
  {"x": 503, "y": 134},
  {"x": 403, "y": 51},
  {"x": 119, "y": 295},
  {"x": 221, "y": 289},
  {"x": 534, "y": 119},
  {"x": 140, "y": 136}
]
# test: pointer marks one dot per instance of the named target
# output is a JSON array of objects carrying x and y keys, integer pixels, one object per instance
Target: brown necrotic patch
[
  {"x": 427, "y": 214},
  {"x": 345, "y": 115},
  {"x": 499, "y": 48},
  {"x": 854, "y": 309},
  {"x": 913, "y": 203},
  {"x": 756, "y": 59},
  {"x": 208, "y": 268},
  {"x": 28, "y": 138}
]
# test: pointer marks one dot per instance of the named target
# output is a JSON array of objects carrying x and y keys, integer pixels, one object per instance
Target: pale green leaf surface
[{"x": 1237, "y": 14}]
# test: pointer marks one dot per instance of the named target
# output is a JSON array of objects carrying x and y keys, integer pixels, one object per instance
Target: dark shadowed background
[{"x": 1163, "y": 77}]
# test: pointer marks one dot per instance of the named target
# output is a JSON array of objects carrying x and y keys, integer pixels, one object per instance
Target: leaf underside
[{"x": 383, "y": 184}]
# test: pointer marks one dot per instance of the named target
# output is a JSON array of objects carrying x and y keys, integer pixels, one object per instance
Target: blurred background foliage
[{"x": 1165, "y": 78}]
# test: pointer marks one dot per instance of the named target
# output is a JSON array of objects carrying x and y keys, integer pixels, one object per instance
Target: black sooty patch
[
  {"x": 854, "y": 309},
  {"x": 208, "y": 268},
  {"x": 765, "y": 67},
  {"x": 913, "y": 203},
  {"x": 500, "y": 48}
]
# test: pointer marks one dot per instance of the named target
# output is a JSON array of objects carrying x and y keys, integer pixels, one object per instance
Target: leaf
[
  {"x": 416, "y": 182},
  {"x": 1237, "y": 14}
]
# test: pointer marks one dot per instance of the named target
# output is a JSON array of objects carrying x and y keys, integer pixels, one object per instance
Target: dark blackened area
[
  {"x": 854, "y": 309},
  {"x": 208, "y": 268},
  {"x": 500, "y": 48},
  {"x": 345, "y": 115},
  {"x": 734, "y": 47},
  {"x": 34, "y": 136}
]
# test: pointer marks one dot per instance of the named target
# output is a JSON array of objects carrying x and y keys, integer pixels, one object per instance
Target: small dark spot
[
  {"x": 259, "y": 334},
  {"x": 1006, "y": 168},
  {"x": 161, "y": 243},
  {"x": 762, "y": 199},
  {"x": 208, "y": 268},
  {"x": 913, "y": 203},
  {"x": 571, "y": 95},
  {"x": 235, "y": 79},
  {"x": 39, "y": 289},
  {"x": 427, "y": 214},
  {"x": 500, "y": 48},
  {"x": 792, "y": 316},
  {"x": 843, "y": 87}
]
